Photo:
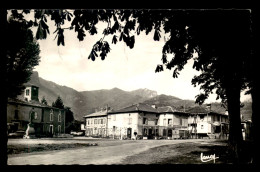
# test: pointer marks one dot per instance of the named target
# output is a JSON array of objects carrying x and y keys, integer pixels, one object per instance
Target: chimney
[{"x": 107, "y": 108}]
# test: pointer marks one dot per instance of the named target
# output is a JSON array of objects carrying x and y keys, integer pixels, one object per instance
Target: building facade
[
  {"x": 147, "y": 122},
  {"x": 138, "y": 120},
  {"x": 96, "y": 123},
  {"x": 206, "y": 123},
  {"x": 46, "y": 120},
  {"x": 173, "y": 124},
  {"x": 144, "y": 121}
]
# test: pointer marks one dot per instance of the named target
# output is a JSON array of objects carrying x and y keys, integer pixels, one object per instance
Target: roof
[
  {"x": 31, "y": 103},
  {"x": 164, "y": 109},
  {"x": 201, "y": 110},
  {"x": 30, "y": 85},
  {"x": 139, "y": 107},
  {"x": 197, "y": 110},
  {"x": 99, "y": 113},
  {"x": 167, "y": 109}
]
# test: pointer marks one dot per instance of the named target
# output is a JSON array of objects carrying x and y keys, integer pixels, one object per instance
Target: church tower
[{"x": 31, "y": 93}]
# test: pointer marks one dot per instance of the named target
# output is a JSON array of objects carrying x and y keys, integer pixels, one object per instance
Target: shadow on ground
[
  {"x": 189, "y": 153},
  {"x": 18, "y": 149}
]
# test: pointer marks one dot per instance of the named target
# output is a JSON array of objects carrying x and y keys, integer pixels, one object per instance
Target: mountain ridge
[{"x": 86, "y": 102}]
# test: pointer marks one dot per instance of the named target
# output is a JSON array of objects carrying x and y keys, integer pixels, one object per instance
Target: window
[
  {"x": 184, "y": 122},
  {"x": 202, "y": 117},
  {"x": 169, "y": 121},
  {"x": 51, "y": 115},
  {"x": 164, "y": 122},
  {"x": 95, "y": 121},
  {"x": 101, "y": 121},
  {"x": 156, "y": 121},
  {"x": 144, "y": 120},
  {"x": 88, "y": 121},
  {"x": 51, "y": 129},
  {"x": 59, "y": 117},
  {"x": 27, "y": 92},
  {"x": 202, "y": 127},
  {"x": 218, "y": 118},
  {"x": 35, "y": 115}
]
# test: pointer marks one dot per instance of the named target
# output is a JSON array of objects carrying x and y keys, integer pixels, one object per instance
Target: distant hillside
[
  {"x": 115, "y": 98},
  {"x": 85, "y": 102},
  {"x": 165, "y": 100},
  {"x": 144, "y": 93}
]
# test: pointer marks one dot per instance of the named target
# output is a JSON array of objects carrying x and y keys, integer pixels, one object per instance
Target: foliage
[
  {"x": 58, "y": 103},
  {"x": 44, "y": 101},
  {"x": 22, "y": 56},
  {"x": 214, "y": 35},
  {"x": 69, "y": 115},
  {"x": 69, "y": 118}
]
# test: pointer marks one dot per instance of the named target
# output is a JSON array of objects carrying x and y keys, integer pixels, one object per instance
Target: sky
[{"x": 124, "y": 68}]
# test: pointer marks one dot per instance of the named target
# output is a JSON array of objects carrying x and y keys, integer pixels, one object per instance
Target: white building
[
  {"x": 206, "y": 123},
  {"x": 136, "y": 120},
  {"x": 96, "y": 123},
  {"x": 148, "y": 122},
  {"x": 173, "y": 124}
]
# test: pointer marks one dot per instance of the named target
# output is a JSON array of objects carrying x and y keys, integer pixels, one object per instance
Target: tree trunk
[
  {"x": 255, "y": 121},
  {"x": 255, "y": 100},
  {"x": 3, "y": 97},
  {"x": 235, "y": 131}
]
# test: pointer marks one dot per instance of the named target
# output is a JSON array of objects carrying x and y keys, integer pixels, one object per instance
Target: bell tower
[{"x": 31, "y": 93}]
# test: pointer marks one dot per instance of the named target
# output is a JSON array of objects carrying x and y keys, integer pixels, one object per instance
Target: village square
[
  {"x": 37, "y": 135},
  {"x": 129, "y": 86}
]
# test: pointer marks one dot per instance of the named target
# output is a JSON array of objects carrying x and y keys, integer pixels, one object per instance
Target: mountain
[
  {"x": 115, "y": 98},
  {"x": 144, "y": 93},
  {"x": 183, "y": 105},
  {"x": 86, "y": 102}
]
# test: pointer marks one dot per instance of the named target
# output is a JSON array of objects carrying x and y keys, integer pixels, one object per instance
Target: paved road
[{"x": 108, "y": 152}]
